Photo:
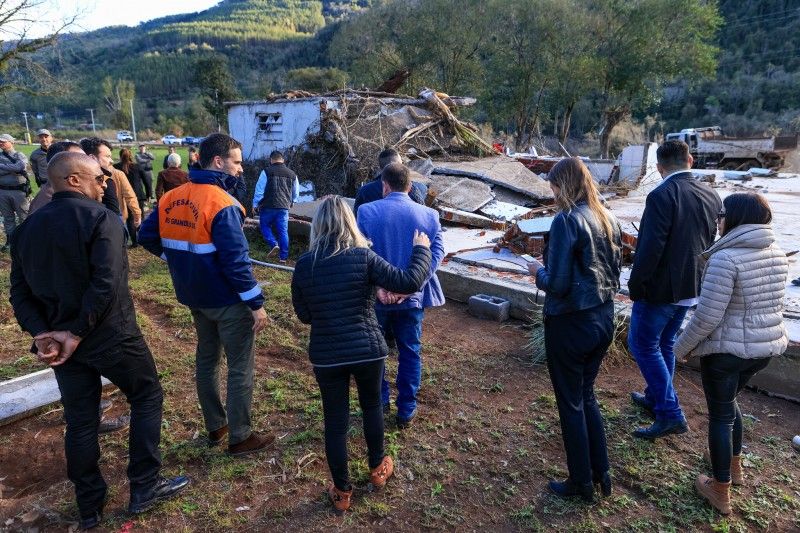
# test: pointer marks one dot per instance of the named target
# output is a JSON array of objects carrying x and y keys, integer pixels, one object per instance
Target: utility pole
[
  {"x": 133, "y": 121},
  {"x": 27, "y": 131},
  {"x": 94, "y": 131},
  {"x": 216, "y": 101}
]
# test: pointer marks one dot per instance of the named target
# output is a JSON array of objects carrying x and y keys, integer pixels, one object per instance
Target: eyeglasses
[{"x": 99, "y": 179}]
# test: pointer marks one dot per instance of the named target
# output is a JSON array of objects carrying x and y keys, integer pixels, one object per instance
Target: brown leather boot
[
  {"x": 382, "y": 472},
  {"x": 216, "y": 437},
  {"x": 737, "y": 474},
  {"x": 717, "y": 493},
  {"x": 252, "y": 444},
  {"x": 340, "y": 499}
]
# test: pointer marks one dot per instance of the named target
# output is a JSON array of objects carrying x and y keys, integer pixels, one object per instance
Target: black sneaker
[
  {"x": 640, "y": 400},
  {"x": 405, "y": 423},
  {"x": 662, "y": 428},
  {"x": 163, "y": 490},
  {"x": 91, "y": 521},
  {"x": 110, "y": 425}
]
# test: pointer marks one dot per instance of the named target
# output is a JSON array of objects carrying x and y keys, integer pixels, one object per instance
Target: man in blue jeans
[
  {"x": 276, "y": 190},
  {"x": 678, "y": 224},
  {"x": 390, "y": 224}
]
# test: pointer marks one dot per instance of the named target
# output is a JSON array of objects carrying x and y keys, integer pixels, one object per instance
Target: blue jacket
[
  {"x": 390, "y": 223},
  {"x": 197, "y": 228}
]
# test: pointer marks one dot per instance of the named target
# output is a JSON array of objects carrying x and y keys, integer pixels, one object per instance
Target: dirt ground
[{"x": 478, "y": 457}]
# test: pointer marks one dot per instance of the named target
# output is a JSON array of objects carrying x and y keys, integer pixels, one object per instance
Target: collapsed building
[{"x": 494, "y": 206}]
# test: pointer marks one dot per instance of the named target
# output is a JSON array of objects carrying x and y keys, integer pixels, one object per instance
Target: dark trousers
[
  {"x": 334, "y": 385},
  {"x": 724, "y": 375},
  {"x": 130, "y": 367},
  {"x": 129, "y": 224},
  {"x": 576, "y": 344},
  {"x": 230, "y": 328}
]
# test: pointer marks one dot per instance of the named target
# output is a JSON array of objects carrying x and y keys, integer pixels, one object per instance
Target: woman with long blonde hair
[
  {"x": 333, "y": 289},
  {"x": 583, "y": 258}
]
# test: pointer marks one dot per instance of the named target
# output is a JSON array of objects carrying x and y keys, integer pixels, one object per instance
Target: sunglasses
[
  {"x": 99, "y": 179},
  {"x": 720, "y": 215}
]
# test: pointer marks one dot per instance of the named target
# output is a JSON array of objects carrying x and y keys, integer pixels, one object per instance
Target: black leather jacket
[{"x": 582, "y": 265}]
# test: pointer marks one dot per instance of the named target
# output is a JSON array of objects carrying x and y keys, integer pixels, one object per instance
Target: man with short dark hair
[
  {"x": 125, "y": 197},
  {"x": 197, "y": 227},
  {"x": 145, "y": 161},
  {"x": 276, "y": 191},
  {"x": 39, "y": 157},
  {"x": 69, "y": 290},
  {"x": 390, "y": 224},
  {"x": 678, "y": 224},
  {"x": 373, "y": 190},
  {"x": 194, "y": 159},
  {"x": 15, "y": 187},
  {"x": 170, "y": 151}
]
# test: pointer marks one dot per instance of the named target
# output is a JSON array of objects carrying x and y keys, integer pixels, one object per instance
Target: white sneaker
[{"x": 275, "y": 249}]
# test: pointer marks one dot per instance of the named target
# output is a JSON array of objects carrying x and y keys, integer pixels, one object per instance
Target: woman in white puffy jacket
[{"x": 736, "y": 328}]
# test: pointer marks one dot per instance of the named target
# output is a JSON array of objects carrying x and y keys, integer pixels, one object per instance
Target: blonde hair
[
  {"x": 576, "y": 185},
  {"x": 334, "y": 228}
]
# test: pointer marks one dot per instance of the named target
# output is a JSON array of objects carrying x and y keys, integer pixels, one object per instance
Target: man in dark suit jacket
[
  {"x": 678, "y": 224},
  {"x": 372, "y": 191}
]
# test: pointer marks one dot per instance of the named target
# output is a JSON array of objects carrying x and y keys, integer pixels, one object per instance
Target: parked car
[
  {"x": 124, "y": 136},
  {"x": 170, "y": 140},
  {"x": 190, "y": 141}
]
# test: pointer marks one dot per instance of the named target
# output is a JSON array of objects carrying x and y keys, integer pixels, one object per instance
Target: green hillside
[{"x": 254, "y": 47}]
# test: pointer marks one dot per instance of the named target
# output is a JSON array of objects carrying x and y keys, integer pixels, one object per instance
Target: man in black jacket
[
  {"x": 69, "y": 289},
  {"x": 678, "y": 224},
  {"x": 372, "y": 191}
]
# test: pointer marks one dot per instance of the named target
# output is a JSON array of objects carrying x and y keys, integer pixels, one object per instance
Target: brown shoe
[
  {"x": 737, "y": 474},
  {"x": 216, "y": 437},
  {"x": 340, "y": 499},
  {"x": 717, "y": 493},
  {"x": 252, "y": 444},
  {"x": 382, "y": 472}
]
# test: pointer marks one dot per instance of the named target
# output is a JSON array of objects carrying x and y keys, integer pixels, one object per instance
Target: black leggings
[
  {"x": 724, "y": 375},
  {"x": 334, "y": 384}
]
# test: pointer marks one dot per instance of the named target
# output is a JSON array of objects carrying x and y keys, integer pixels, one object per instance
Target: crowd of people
[{"x": 367, "y": 278}]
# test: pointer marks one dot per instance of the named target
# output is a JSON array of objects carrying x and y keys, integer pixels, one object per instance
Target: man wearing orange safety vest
[{"x": 197, "y": 228}]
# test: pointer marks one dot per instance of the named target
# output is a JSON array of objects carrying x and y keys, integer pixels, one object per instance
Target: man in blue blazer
[{"x": 390, "y": 224}]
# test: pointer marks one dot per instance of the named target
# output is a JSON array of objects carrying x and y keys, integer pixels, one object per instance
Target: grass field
[{"x": 485, "y": 442}]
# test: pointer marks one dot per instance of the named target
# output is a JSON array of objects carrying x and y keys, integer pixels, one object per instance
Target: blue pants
[
  {"x": 651, "y": 339},
  {"x": 277, "y": 219},
  {"x": 407, "y": 327}
]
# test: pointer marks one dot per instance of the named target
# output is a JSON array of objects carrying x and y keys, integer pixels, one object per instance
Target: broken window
[{"x": 270, "y": 126}]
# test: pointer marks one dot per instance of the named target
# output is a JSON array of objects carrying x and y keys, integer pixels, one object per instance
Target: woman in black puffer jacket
[{"x": 333, "y": 289}]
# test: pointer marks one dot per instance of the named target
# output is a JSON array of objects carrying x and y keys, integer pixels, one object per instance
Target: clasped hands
[
  {"x": 390, "y": 298},
  {"x": 55, "y": 347}
]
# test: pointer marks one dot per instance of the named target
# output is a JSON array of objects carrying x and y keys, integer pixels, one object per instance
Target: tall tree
[
  {"x": 213, "y": 76},
  {"x": 642, "y": 45},
  {"x": 19, "y": 72},
  {"x": 117, "y": 98}
]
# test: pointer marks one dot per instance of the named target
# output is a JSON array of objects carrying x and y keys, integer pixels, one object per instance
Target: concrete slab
[
  {"x": 464, "y": 217},
  {"x": 534, "y": 226},
  {"x": 306, "y": 210},
  {"x": 500, "y": 170},
  {"x": 460, "y": 193},
  {"x": 502, "y": 261},
  {"x": 503, "y": 210},
  {"x": 456, "y": 239}
]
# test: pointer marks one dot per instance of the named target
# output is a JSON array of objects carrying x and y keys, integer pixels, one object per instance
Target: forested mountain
[{"x": 249, "y": 48}]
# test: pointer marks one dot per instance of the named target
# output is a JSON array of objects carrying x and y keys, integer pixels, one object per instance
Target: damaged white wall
[{"x": 262, "y": 127}]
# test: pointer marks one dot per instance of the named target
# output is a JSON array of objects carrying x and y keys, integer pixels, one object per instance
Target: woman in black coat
[
  {"x": 583, "y": 257},
  {"x": 333, "y": 289},
  {"x": 137, "y": 180}
]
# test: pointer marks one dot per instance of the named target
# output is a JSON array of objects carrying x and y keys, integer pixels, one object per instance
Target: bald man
[{"x": 69, "y": 290}]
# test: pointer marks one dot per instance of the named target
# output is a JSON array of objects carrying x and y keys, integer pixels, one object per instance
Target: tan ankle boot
[
  {"x": 340, "y": 499},
  {"x": 737, "y": 474},
  {"x": 381, "y": 473},
  {"x": 717, "y": 493}
]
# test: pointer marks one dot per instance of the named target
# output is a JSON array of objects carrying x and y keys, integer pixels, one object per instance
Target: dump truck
[{"x": 712, "y": 149}]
